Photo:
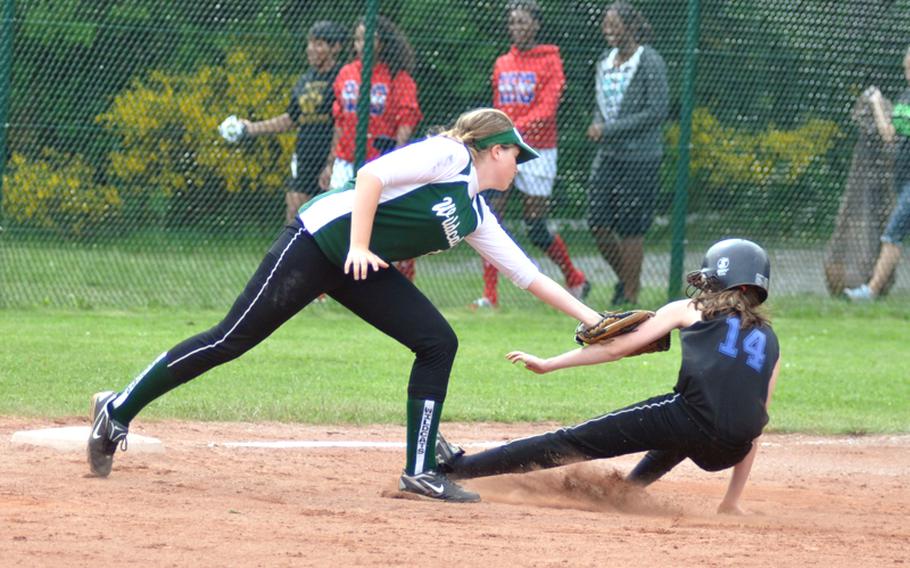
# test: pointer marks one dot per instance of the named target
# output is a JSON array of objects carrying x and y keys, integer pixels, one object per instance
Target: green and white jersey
[{"x": 429, "y": 203}]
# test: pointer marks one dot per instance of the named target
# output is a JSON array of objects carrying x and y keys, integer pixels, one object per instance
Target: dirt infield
[{"x": 828, "y": 502}]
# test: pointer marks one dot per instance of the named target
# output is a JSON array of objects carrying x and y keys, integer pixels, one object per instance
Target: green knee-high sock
[
  {"x": 151, "y": 383},
  {"x": 423, "y": 423}
]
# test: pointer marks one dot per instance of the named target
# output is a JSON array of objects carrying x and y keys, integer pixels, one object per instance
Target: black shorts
[
  {"x": 308, "y": 170},
  {"x": 622, "y": 195}
]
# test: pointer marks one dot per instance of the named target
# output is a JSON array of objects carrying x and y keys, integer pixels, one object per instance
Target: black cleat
[
  {"x": 446, "y": 454},
  {"x": 435, "y": 485},
  {"x": 105, "y": 436}
]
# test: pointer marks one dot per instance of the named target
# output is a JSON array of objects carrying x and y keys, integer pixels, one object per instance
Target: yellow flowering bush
[
  {"x": 58, "y": 193},
  {"x": 167, "y": 125},
  {"x": 726, "y": 157}
]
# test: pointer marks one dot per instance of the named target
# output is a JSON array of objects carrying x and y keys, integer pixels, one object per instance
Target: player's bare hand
[
  {"x": 531, "y": 362},
  {"x": 325, "y": 177},
  {"x": 873, "y": 93},
  {"x": 731, "y": 509},
  {"x": 595, "y": 132},
  {"x": 359, "y": 262}
]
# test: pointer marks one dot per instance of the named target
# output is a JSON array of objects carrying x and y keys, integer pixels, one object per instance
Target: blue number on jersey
[{"x": 753, "y": 344}]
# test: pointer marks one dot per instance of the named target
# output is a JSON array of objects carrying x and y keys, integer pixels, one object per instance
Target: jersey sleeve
[
  {"x": 492, "y": 242},
  {"x": 428, "y": 161}
]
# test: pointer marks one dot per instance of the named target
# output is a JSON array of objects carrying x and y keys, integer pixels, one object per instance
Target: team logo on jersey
[
  {"x": 449, "y": 213},
  {"x": 517, "y": 87},
  {"x": 310, "y": 104},
  {"x": 379, "y": 96},
  {"x": 723, "y": 266}
]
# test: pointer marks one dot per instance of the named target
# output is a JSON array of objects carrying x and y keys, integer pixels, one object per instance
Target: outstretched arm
[
  {"x": 274, "y": 125},
  {"x": 672, "y": 316},
  {"x": 741, "y": 471},
  {"x": 882, "y": 121},
  {"x": 558, "y": 297}
]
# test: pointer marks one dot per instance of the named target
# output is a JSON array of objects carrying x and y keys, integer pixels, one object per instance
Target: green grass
[{"x": 844, "y": 368}]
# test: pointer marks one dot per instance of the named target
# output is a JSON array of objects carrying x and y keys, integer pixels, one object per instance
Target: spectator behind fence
[
  {"x": 630, "y": 92},
  {"x": 528, "y": 82},
  {"x": 896, "y": 130},
  {"x": 866, "y": 201},
  {"x": 394, "y": 110},
  {"x": 309, "y": 110}
]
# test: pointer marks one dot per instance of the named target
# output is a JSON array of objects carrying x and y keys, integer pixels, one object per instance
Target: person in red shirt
[
  {"x": 528, "y": 82},
  {"x": 394, "y": 110}
]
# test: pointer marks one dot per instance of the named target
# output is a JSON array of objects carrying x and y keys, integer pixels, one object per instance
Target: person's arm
[
  {"x": 406, "y": 107},
  {"x": 671, "y": 316},
  {"x": 596, "y": 128},
  {"x": 497, "y": 247},
  {"x": 882, "y": 121},
  {"x": 558, "y": 297},
  {"x": 741, "y": 471},
  {"x": 325, "y": 176},
  {"x": 274, "y": 125},
  {"x": 366, "y": 199},
  {"x": 403, "y": 135}
]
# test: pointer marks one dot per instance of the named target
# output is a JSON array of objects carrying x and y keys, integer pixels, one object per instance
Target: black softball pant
[
  {"x": 659, "y": 425},
  {"x": 294, "y": 273}
]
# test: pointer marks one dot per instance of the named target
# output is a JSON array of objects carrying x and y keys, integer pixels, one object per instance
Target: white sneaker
[
  {"x": 860, "y": 294},
  {"x": 482, "y": 303}
]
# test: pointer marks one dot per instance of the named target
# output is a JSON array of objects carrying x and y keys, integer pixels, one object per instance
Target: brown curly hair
[{"x": 744, "y": 301}]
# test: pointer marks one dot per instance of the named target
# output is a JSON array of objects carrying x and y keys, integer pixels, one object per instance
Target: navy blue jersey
[{"x": 725, "y": 374}]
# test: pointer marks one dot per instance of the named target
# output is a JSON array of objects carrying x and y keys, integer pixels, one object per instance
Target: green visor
[{"x": 510, "y": 136}]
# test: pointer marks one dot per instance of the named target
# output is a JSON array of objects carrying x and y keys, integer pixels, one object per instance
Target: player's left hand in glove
[
  {"x": 233, "y": 129},
  {"x": 614, "y": 324}
]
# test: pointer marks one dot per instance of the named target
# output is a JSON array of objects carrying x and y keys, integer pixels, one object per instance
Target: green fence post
[
  {"x": 366, "y": 84},
  {"x": 6, "y": 65},
  {"x": 681, "y": 197}
]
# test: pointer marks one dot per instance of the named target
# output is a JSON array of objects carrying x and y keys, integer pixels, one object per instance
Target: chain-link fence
[{"x": 118, "y": 189}]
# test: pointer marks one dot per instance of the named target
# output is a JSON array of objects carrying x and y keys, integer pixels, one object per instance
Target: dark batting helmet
[{"x": 731, "y": 263}]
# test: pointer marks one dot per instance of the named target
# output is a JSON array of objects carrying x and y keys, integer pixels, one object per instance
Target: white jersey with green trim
[{"x": 429, "y": 203}]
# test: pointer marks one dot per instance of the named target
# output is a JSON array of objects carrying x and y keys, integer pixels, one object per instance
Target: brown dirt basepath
[{"x": 830, "y": 501}]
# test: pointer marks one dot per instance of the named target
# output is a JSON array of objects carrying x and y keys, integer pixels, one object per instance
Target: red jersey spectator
[
  {"x": 394, "y": 110},
  {"x": 393, "y": 107},
  {"x": 528, "y": 82},
  {"x": 527, "y": 85}
]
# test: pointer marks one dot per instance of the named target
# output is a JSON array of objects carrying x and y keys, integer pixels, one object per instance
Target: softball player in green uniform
[{"x": 418, "y": 199}]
